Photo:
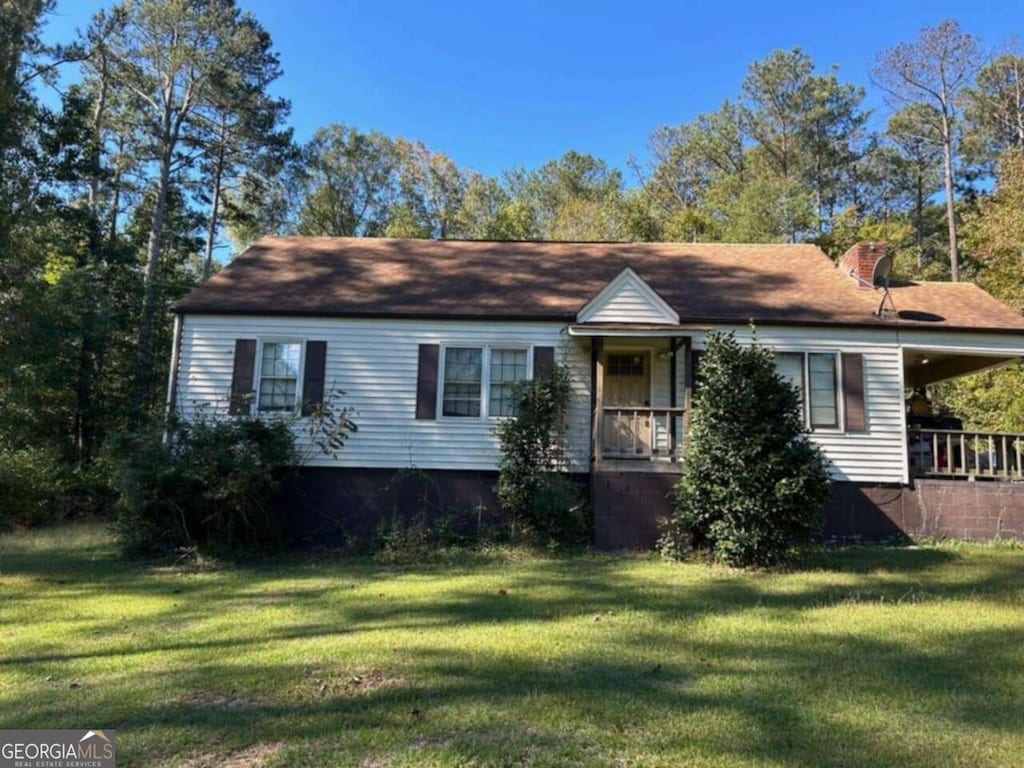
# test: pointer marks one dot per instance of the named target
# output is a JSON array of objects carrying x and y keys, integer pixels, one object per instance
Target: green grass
[{"x": 866, "y": 657}]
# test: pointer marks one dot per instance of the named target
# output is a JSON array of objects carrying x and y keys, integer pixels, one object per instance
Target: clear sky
[{"x": 497, "y": 85}]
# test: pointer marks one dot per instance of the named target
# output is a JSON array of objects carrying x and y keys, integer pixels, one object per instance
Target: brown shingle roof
[{"x": 708, "y": 282}]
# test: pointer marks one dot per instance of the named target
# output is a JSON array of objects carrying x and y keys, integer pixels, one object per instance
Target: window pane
[
  {"x": 625, "y": 365},
  {"x": 279, "y": 376},
  {"x": 462, "y": 375},
  {"x": 824, "y": 410},
  {"x": 507, "y": 367},
  {"x": 790, "y": 366}
]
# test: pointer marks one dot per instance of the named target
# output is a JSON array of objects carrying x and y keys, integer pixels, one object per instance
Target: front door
[{"x": 626, "y": 427}]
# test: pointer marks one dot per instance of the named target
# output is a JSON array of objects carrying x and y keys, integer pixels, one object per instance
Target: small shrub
[
  {"x": 204, "y": 484},
  {"x": 532, "y": 484},
  {"x": 753, "y": 485}
]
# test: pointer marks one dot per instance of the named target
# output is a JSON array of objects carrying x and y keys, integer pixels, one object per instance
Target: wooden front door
[{"x": 627, "y": 386}]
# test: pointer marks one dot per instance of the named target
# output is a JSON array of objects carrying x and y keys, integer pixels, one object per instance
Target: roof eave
[{"x": 570, "y": 317}]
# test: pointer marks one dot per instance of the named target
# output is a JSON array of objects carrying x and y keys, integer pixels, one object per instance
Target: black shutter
[
  {"x": 313, "y": 376},
  {"x": 853, "y": 393},
  {"x": 242, "y": 377},
  {"x": 543, "y": 362},
  {"x": 426, "y": 381}
]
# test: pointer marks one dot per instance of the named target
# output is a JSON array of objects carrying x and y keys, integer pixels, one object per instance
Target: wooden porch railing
[
  {"x": 966, "y": 453},
  {"x": 641, "y": 432}
]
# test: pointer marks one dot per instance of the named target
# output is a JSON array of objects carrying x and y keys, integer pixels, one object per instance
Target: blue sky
[{"x": 498, "y": 85}]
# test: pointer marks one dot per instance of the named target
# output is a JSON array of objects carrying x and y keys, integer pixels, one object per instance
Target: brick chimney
[{"x": 859, "y": 262}]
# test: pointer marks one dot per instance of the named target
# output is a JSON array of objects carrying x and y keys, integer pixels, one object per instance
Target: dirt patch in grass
[
  {"x": 353, "y": 684},
  {"x": 253, "y": 757},
  {"x": 209, "y": 700}
]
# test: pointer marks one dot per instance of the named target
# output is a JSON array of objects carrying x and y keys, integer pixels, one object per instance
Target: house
[{"x": 426, "y": 338}]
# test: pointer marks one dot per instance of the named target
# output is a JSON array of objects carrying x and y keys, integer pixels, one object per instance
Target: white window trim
[
  {"x": 258, "y": 376},
  {"x": 806, "y": 389},
  {"x": 485, "y": 376}
]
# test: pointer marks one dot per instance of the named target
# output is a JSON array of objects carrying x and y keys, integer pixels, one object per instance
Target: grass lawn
[{"x": 867, "y": 657}]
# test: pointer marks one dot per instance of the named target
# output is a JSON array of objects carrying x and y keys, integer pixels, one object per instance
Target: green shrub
[
  {"x": 532, "y": 484},
  {"x": 753, "y": 485},
  {"x": 32, "y": 484},
  {"x": 205, "y": 484}
]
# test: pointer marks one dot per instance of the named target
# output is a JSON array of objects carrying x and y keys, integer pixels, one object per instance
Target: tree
[
  {"x": 243, "y": 126},
  {"x": 179, "y": 67},
  {"x": 19, "y": 115},
  {"x": 753, "y": 485},
  {"x": 349, "y": 183},
  {"x": 807, "y": 125},
  {"x": 994, "y": 109},
  {"x": 432, "y": 187},
  {"x": 934, "y": 70},
  {"x": 999, "y": 232},
  {"x": 916, "y": 167},
  {"x": 683, "y": 164},
  {"x": 486, "y": 212},
  {"x": 573, "y": 182}
]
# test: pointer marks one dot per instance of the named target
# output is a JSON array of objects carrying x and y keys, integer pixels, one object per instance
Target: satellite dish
[{"x": 881, "y": 271}]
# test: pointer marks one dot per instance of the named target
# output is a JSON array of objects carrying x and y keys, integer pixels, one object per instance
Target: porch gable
[{"x": 628, "y": 299}]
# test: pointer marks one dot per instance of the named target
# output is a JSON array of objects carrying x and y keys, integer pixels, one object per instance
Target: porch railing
[
  {"x": 960, "y": 453},
  {"x": 641, "y": 433}
]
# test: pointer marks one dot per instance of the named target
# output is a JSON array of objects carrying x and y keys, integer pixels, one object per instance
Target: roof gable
[{"x": 628, "y": 299}]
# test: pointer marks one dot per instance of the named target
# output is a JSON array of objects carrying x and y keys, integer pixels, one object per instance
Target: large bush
[
  {"x": 203, "y": 484},
  {"x": 753, "y": 484},
  {"x": 532, "y": 483}
]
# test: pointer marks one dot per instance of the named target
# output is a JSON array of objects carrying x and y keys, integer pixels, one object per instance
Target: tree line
[{"x": 115, "y": 201}]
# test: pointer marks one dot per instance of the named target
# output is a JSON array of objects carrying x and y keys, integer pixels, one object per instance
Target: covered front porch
[
  {"x": 938, "y": 445},
  {"x": 640, "y": 395}
]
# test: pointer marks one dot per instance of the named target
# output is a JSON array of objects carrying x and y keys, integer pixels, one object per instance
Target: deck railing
[
  {"x": 960, "y": 453},
  {"x": 641, "y": 433}
]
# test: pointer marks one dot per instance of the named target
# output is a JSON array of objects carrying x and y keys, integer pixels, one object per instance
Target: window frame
[
  {"x": 485, "y": 376},
  {"x": 805, "y": 390},
  {"x": 258, "y": 376}
]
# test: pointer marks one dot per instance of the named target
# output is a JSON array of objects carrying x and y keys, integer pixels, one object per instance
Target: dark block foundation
[{"x": 339, "y": 507}]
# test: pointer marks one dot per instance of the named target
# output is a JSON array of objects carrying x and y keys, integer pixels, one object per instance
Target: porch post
[
  {"x": 596, "y": 398},
  {"x": 674, "y": 347}
]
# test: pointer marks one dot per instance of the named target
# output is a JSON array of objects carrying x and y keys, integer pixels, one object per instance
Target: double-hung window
[
  {"x": 278, "y": 377},
  {"x": 480, "y": 381},
  {"x": 816, "y": 377},
  {"x": 463, "y": 381}
]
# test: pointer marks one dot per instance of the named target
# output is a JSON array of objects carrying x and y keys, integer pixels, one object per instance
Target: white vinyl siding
[
  {"x": 877, "y": 454},
  {"x": 628, "y": 305},
  {"x": 628, "y": 299},
  {"x": 375, "y": 362}
]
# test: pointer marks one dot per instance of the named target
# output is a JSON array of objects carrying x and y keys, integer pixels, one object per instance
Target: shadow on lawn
[
  {"x": 460, "y": 707},
  {"x": 634, "y": 689}
]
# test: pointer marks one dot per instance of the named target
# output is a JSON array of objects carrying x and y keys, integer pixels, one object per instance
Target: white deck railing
[{"x": 966, "y": 453}]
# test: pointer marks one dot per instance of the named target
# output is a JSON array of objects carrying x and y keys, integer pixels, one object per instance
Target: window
[
  {"x": 462, "y": 381},
  {"x": 479, "y": 377},
  {"x": 822, "y": 390},
  {"x": 507, "y": 367},
  {"x": 819, "y": 398},
  {"x": 279, "y": 376}
]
